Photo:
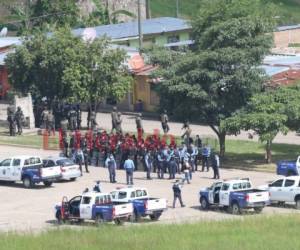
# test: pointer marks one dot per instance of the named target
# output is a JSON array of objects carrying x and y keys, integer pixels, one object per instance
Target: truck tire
[
  {"x": 119, "y": 221},
  {"x": 27, "y": 182},
  {"x": 235, "y": 208},
  {"x": 99, "y": 220},
  {"x": 297, "y": 200},
  {"x": 258, "y": 209},
  {"x": 73, "y": 179},
  {"x": 204, "y": 203},
  {"x": 155, "y": 216},
  {"x": 48, "y": 183}
]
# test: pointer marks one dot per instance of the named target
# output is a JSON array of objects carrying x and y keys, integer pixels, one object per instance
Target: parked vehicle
[
  {"x": 285, "y": 190},
  {"x": 28, "y": 169},
  {"x": 288, "y": 168},
  {"x": 69, "y": 170},
  {"x": 94, "y": 206},
  {"x": 234, "y": 195},
  {"x": 143, "y": 205}
]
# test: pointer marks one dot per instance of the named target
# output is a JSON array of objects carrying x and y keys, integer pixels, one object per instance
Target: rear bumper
[
  {"x": 257, "y": 204},
  {"x": 68, "y": 176},
  {"x": 50, "y": 178},
  {"x": 150, "y": 212},
  {"x": 122, "y": 216}
]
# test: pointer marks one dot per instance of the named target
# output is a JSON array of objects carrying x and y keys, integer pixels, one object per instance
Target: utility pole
[
  {"x": 148, "y": 11},
  {"x": 140, "y": 26},
  {"x": 177, "y": 8}
]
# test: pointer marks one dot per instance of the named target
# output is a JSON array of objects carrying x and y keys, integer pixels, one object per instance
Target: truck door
[
  {"x": 16, "y": 170},
  {"x": 275, "y": 190},
  {"x": 5, "y": 170},
  {"x": 86, "y": 206},
  {"x": 224, "y": 194},
  {"x": 288, "y": 189}
]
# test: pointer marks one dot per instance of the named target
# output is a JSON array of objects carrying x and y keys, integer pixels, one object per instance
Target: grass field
[
  {"x": 257, "y": 233},
  {"x": 288, "y": 10}
]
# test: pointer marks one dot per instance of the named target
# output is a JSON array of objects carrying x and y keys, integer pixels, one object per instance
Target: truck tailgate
[
  {"x": 261, "y": 196},
  {"x": 123, "y": 209},
  {"x": 50, "y": 172},
  {"x": 156, "y": 204}
]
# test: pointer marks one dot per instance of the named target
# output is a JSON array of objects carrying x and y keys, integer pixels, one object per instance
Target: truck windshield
[{"x": 122, "y": 195}]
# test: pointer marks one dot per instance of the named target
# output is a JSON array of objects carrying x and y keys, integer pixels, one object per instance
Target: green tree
[
  {"x": 264, "y": 115},
  {"x": 220, "y": 74},
  {"x": 56, "y": 13},
  {"x": 65, "y": 66}
]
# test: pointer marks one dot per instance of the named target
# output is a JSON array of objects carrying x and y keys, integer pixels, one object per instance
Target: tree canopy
[
  {"x": 219, "y": 74},
  {"x": 69, "y": 68}
]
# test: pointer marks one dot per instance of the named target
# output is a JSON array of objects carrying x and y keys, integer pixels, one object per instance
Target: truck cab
[
  {"x": 95, "y": 206},
  {"x": 234, "y": 195},
  {"x": 28, "y": 169},
  {"x": 285, "y": 190},
  {"x": 288, "y": 168},
  {"x": 143, "y": 205}
]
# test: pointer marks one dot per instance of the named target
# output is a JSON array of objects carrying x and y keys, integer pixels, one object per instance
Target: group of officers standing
[{"x": 154, "y": 153}]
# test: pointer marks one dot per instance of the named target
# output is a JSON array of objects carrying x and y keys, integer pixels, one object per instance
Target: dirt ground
[{"x": 33, "y": 209}]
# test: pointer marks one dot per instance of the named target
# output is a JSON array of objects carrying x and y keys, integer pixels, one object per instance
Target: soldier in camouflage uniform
[
  {"x": 11, "y": 120},
  {"x": 19, "y": 118}
]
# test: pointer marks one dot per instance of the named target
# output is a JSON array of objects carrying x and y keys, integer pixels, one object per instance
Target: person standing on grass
[
  {"x": 129, "y": 168},
  {"x": 177, "y": 193}
]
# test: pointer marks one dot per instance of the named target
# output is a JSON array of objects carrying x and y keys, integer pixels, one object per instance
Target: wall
[
  {"x": 283, "y": 38},
  {"x": 26, "y": 105}
]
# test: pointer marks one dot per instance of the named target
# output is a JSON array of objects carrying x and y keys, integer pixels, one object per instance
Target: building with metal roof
[{"x": 158, "y": 31}]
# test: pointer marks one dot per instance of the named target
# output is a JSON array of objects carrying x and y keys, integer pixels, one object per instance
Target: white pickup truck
[
  {"x": 28, "y": 169},
  {"x": 234, "y": 195},
  {"x": 94, "y": 206},
  {"x": 143, "y": 205},
  {"x": 285, "y": 190}
]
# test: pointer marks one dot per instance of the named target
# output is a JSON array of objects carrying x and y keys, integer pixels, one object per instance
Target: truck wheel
[
  {"x": 119, "y": 222},
  {"x": 235, "y": 208},
  {"x": 73, "y": 179},
  {"x": 258, "y": 209},
  {"x": 204, "y": 203},
  {"x": 48, "y": 183},
  {"x": 27, "y": 182},
  {"x": 155, "y": 216},
  {"x": 99, "y": 220},
  {"x": 298, "y": 203}
]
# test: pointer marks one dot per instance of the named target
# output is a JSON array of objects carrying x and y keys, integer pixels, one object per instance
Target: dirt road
[{"x": 33, "y": 209}]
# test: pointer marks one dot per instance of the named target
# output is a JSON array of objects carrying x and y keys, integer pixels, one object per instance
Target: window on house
[{"x": 173, "y": 39}]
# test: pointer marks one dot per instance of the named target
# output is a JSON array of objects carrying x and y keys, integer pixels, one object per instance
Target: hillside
[{"x": 289, "y": 10}]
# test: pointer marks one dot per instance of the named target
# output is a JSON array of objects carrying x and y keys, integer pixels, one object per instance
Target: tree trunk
[
  {"x": 268, "y": 152},
  {"x": 222, "y": 137}
]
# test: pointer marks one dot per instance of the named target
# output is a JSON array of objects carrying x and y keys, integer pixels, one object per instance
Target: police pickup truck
[
  {"x": 28, "y": 169},
  {"x": 94, "y": 206},
  {"x": 142, "y": 204},
  {"x": 285, "y": 190},
  {"x": 234, "y": 195},
  {"x": 288, "y": 168}
]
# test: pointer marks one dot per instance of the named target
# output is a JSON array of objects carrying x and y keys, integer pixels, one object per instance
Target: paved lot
[{"x": 33, "y": 209}]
